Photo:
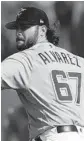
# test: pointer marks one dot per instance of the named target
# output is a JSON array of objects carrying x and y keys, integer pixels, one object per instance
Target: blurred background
[{"x": 70, "y": 14}]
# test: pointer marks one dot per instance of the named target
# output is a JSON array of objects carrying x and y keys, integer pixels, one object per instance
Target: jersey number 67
[{"x": 62, "y": 88}]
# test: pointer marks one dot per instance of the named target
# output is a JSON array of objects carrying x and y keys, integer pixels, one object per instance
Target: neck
[{"x": 43, "y": 39}]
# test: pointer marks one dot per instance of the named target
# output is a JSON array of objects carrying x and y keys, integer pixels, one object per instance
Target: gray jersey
[{"x": 50, "y": 83}]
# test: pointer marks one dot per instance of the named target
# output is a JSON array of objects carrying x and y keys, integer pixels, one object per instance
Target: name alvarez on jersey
[{"x": 61, "y": 57}]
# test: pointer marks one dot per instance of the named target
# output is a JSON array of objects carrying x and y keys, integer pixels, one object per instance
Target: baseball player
[{"x": 49, "y": 80}]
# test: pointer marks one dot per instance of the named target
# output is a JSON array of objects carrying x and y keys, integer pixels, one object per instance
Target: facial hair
[
  {"x": 33, "y": 40},
  {"x": 22, "y": 44}
]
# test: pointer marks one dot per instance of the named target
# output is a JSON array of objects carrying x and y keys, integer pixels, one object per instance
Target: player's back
[{"x": 55, "y": 93}]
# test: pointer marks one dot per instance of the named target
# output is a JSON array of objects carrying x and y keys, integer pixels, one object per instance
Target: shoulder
[
  {"x": 81, "y": 59},
  {"x": 74, "y": 56},
  {"x": 19, "y": 57},
  {"x": 18, "y": 60}
]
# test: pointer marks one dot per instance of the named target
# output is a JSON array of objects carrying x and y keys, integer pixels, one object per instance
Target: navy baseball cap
[{"x": 29, "y": 16}]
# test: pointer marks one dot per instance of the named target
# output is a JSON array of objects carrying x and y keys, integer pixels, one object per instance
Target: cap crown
[{"x": 31, "y": 16}]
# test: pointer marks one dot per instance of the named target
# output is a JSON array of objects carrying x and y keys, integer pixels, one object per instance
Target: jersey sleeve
[{"x": 15, "y": 73}]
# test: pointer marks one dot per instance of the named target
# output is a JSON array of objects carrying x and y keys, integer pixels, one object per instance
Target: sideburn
[
  {"x": 33, "y": 41},
  {"x": 36, "y": 34}
]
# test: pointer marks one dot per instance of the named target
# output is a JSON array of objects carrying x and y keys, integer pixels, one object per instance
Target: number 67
[{"x": 58, "y": 86}]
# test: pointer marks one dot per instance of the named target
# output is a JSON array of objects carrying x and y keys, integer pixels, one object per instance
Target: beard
[
  {"x": 20, "y": 45},
  {"x": 23, "y": 43}
]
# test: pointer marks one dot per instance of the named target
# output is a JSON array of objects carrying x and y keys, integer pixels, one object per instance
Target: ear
[{"x": 44, "y": 28}]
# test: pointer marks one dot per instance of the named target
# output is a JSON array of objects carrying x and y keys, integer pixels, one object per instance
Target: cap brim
[{"x": 11, "y": 25}]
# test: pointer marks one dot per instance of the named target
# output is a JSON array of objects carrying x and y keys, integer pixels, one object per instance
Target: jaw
[{"x": 20, "y": 45}]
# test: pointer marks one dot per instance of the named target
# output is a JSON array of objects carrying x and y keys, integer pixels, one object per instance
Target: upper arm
[{"x": 15, "y": 74}]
